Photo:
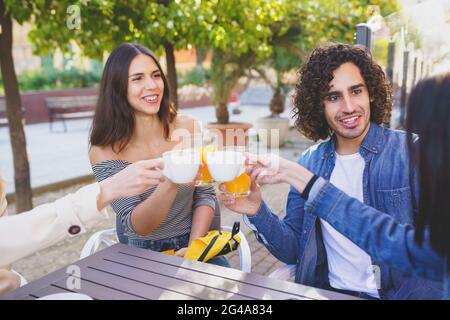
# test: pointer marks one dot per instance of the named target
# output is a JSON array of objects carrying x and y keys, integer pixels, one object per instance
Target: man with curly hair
[{"x": 342, "y": 95}]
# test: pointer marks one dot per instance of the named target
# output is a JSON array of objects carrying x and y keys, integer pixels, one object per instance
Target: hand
[
  {"x": 9, "y": 281},
  {"x": 272, "y": 169},
  {"x": 248, "y": 205},
  {"x": 181, "y": 252},
  {"x": 131, "y": 181},
  {"x": 266, "y": 169}
]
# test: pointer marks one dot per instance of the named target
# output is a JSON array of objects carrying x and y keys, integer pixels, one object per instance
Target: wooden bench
[{"x": 68, "y": 108}]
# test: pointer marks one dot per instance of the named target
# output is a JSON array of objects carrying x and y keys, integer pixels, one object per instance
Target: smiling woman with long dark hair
[
  {"x": 134, "y": 120},
  {"x": 114, "y": 120}
]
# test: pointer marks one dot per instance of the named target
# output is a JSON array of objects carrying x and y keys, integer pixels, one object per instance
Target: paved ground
[{"x": 59, "y": 156}]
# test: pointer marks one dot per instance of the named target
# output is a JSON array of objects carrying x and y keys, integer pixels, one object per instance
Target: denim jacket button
[{"x": 73, "y": 230}]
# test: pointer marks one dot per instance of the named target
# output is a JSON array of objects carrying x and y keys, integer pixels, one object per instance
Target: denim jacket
[
  {"x": 378, "y": 234},
  {"x": 297, "y": 239}
]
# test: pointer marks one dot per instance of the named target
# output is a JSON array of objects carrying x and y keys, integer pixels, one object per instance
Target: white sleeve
[{"x": 45, "y": 225}]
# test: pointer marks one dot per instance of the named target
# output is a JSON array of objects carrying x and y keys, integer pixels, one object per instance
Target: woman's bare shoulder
[
  {"x": 187, "y": 122},
  {"x": 99, "y": 154}
]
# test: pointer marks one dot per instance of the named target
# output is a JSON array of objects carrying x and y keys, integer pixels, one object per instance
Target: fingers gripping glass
[
  {"x": 205, "y": 142},
  {"x": 240, "y": 186}
]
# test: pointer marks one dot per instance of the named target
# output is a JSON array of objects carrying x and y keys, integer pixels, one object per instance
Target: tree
[
  {"x": 323, "y": 21},
  {"x": 97, "y": 27},
  {"x": 286, "y": 56},
  {"x": 13, "y": 105},
  {"x": 241, "y": 33},
  {"x": 244, "y": 33},
  {"x": 162, "y": 26}
]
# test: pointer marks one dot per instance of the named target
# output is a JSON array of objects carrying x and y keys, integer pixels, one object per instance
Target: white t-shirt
[{"x": 350, "y": 268}]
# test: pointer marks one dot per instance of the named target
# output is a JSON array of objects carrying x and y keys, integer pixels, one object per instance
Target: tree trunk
[
  {"x": 15, "y": 116},
  {"x": 200, "y": 54},
  {"x": 222, "y": 114},
  {"x": 222, "y": 84},
  {"x": 171, "y": 74},
  {"x": 277, "y": 103}
]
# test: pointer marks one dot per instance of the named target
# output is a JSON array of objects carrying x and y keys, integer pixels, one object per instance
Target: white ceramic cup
[
  {"x": 181, "y": 166},
  {"x": 66, "y": 296},
  {"x": 225, "y": 165}
]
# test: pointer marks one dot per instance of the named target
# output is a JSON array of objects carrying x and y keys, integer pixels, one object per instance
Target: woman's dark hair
[
  {"x": 313, "y": 85},
  {"x": 113, "y": 123},
  {"x": 428, "y": 115}
]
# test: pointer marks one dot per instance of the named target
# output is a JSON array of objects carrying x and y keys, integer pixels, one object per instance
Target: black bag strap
[
  {"x": 208, "y": 248},
  {"x": 234, "y": 231}
]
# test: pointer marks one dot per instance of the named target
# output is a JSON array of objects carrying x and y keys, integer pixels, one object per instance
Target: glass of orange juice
[
  {"x": 240, "y": 186},
  {"x": 206, "y": 142}
]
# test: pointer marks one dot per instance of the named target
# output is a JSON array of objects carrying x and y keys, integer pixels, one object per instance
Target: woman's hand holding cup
[{"x": 131, "y": 181}]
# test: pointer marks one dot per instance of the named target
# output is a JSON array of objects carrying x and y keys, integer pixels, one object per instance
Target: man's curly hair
[{"x": 313, "y": 85}]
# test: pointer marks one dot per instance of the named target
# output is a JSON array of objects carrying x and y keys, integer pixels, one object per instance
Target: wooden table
[{"x": 124, "y": 272}]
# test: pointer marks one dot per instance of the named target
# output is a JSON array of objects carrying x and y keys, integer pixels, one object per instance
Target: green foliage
[
  {"x": 380, "y": 51},
  {"x": 242, "y": 34},
  {"x": 197, "y": 76},
  {"x": 322, "y": 21},
  {"x": 104, "y": 24},
  {"x": 58, "y": 79}
]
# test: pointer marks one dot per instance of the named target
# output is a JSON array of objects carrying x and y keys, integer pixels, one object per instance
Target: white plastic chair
[
  {"x": 245, "y": 255},
  {"x": 108, "y": 237},
  {"x": 285, "y": 272},
  {"x": 23, "y": 281}
]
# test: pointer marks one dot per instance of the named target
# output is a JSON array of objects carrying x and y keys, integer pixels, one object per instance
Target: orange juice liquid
[
  {"x": 205, "y": 176},
  {"x": 239, "y": 186}
]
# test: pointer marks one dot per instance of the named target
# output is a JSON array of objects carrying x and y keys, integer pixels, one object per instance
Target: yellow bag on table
[{"x": 215, "y": 243}]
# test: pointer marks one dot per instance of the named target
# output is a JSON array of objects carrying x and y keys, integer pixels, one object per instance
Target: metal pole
[
  {"x": 421, "y": 69},
  {"x": 364, "y": 35},
  {"x": 414, "y": 71},
  {"x": 390, "y": 72},
  {"x": 390, "y": 62},
  {"x": 403, "y": 91}
]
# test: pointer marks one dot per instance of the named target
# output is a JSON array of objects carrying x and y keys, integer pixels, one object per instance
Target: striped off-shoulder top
[{"x": 179, "y": 219}]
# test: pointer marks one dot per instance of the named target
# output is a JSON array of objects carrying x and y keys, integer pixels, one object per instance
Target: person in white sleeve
[{"x": 47, "y": 224}]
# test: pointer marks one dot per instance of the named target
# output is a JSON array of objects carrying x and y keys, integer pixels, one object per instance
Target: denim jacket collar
[{"x": 373, "y": 142}]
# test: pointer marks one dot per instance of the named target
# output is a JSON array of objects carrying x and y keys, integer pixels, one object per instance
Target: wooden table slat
[
  {"x": 124, "y": 272},
  {"x": 176, "y": 284},
  {"x": 253, "y": 279},
  {"x": 203, "y": 285},
  {"x": 130, "y": 287},
  {"x": 49, "y": 290},
  {"x": 100, "y": 292}
]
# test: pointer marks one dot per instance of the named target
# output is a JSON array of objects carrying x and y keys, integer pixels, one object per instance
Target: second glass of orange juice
[
  {"x": 240, "y": 186},
  {"x": 208, "y": 142}
]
